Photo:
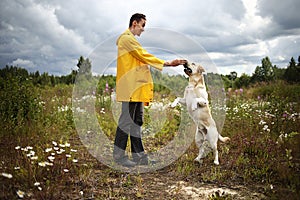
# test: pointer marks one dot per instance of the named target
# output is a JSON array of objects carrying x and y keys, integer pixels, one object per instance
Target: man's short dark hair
[{"x": 136, "y": 17}]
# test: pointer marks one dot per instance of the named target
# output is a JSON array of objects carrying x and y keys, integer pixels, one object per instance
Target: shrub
[
  {"x": 279, "y": 88},
  {"x": 19, "y": 103}
]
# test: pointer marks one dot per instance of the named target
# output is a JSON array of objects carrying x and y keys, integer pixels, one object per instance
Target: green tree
[
  {"x": 45, "y": 79},
  {"x": 232, "y": 76},
  {"x": 84, "y": 67},
  {"x": 242, "y": 81},
  {"x": 265, "y": 72},
  {"x": 292, "y": 73},
  {"x": 226, "y": 81},
  {"x": 279, "y": 73}
]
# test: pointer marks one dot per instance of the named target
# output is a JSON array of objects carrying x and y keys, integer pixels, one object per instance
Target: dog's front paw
[
  {"x": 174, "y": 103},
  {"x": 198, "y": 160}
]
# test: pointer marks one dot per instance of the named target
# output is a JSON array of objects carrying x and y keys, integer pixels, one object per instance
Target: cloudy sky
[{"x": 50, "y": 35}]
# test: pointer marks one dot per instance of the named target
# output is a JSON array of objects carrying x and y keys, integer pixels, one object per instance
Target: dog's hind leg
[
  {"x": 199, "y": 140},
  {"x": 216, "y": 154},
  {"x": 213, "y": 140}
]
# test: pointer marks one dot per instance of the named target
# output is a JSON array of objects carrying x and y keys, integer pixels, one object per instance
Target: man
[{"x": 134, "y": 88}]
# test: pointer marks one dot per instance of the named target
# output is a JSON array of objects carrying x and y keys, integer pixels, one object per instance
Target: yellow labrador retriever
[{"x": 196, "y": 100}]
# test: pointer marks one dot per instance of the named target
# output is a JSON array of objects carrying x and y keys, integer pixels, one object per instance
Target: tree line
[{"x": 267, "y": 72}]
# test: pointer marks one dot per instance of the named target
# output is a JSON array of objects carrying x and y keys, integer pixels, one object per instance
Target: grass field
[{"x": 42, "y": 156}]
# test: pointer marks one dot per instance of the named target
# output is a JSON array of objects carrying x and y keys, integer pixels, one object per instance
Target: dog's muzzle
[{"x": 187, "y": 70}]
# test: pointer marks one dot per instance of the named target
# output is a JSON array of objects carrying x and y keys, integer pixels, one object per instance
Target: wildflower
[
  {"x": 29, "y": 147},
  {"x": 73, "y": 150},
  {"x": 31, "y": 153},
  {"x": 67, "y": 144},
  {"x": 68, "y": 155},
  {"x": 42, "y": 164},
  {"x": 55, "y": 148},
  {"x": 258, "y": 97},
  {"x": 62, "y": 145},
  {"x": 54, "y": 143},
  {"x": 42, "y": 103},
  {"x": 266, "y": 128},
  {"x": 78, "y": 109},
  {"x": 102, "y": 111},
  {"x": 17, "y": 168},
  {"x": 6, "y": 175},
  {"x": 49, "y": 164},
  {"x": 37, "y": 184},
  {"x": 48, "y": 150},
  {"x": 20, "y": 194},
  {"x": 66, "y": 170},
  {"x": 81, "y": 192},
  {"x": 17, "y": 147},
  {"x": 60, "y": 151},
  {"x": 262, "y": 122},
  {"x": 51, "y": 158},
  {"x": 75, "y": 160},
  {"x": 45, "y": 163},
  {"x": 271, "y": 187},
  {"x": 66, "y": 108},
  {"x": 34, "y": 158},
  {"x": 241, "y": 90}
]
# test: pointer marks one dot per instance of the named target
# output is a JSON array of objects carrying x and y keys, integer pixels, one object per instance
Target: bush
[
  {"x": 19, "y": 103},
  {"x": 279, "y": 88}
]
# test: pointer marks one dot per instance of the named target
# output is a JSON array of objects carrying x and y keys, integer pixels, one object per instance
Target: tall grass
[{"x": 42, "y": 157}]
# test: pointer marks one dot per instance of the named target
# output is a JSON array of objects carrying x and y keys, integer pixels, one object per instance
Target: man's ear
[{"x": 200, "y": 69}]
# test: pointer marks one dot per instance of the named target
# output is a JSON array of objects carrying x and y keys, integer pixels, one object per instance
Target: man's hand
[{"x": 175, "y": 62}]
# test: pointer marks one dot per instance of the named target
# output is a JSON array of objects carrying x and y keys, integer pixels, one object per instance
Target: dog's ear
[{"x": 200, "y": 69}]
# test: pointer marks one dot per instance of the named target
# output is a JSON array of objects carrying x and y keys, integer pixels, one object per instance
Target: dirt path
[
  {"x": 172, "y": 187},
  {"x": 163, "y": 184},
  {"x": 103, "y": 182}
]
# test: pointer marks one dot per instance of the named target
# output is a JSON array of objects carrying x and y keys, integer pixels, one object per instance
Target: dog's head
[{"x": 194, "y": 71}]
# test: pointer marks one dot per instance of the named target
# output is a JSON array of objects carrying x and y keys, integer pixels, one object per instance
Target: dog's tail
[{"x": 223, "y": 139}]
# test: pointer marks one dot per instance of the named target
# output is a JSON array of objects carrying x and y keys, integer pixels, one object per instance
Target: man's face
[{"x": 139, "y": 27}]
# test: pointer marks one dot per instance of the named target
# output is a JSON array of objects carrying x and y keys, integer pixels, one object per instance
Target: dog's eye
[{"x": 193, "y": 63}]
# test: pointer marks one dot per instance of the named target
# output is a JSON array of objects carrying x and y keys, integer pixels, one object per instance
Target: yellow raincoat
[{"x": 134, "y": 82}]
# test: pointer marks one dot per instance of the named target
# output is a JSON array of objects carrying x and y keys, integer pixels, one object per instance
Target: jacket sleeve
[{"x": 133, "y": 47}]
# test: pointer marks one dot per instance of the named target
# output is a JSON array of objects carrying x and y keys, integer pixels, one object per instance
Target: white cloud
[
  {"x": 23, "y": 63},
  {"x": 236, "y": 34}
]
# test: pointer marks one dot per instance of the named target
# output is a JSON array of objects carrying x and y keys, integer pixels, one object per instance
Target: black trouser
[{"x": 130, "y": 123}]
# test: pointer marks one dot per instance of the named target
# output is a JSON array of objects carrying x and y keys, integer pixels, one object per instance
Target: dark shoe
[
  {"x": 126, "y": 162},
  {"x": 145, "y": 161}
]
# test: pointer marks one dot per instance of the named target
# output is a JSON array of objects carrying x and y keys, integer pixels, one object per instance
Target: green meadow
[{"x": 42, "y": 156}]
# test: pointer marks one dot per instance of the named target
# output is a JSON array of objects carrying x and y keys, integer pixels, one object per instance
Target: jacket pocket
[{"x": 143, "y": 74}]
